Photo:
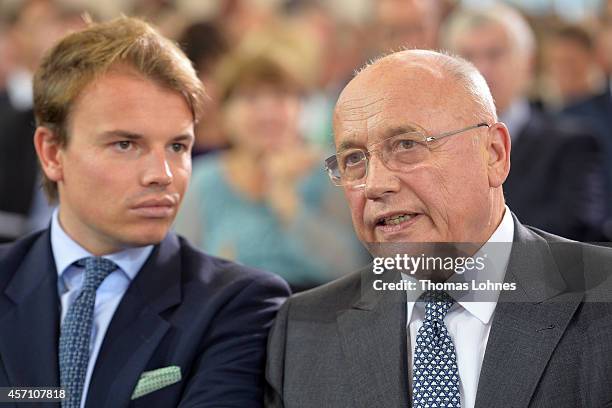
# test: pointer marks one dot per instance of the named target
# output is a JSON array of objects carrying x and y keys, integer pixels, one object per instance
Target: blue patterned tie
[
  {"x": 76, "y": 331},
  {"x": 435, "y": 377}
]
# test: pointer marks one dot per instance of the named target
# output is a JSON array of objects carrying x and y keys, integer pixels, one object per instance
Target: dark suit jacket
[
  {"x": 557, "y": 181},
  {"x": 209, "y": 316},
  {"x": 550, "y": 345}
]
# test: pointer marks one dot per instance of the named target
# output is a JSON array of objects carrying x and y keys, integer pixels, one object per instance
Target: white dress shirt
[
  {"x": 469, "y": 322},
  {"x": 70, "y": 281}
]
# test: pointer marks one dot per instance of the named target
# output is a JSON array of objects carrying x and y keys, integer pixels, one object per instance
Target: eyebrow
[
  {"x": 394, "y": 131},
  {"x": 124, "y": 134},
  {"x": 400, "y": 130}
]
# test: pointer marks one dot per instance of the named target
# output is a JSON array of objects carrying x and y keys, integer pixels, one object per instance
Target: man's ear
[
  {"x": 48, "y": 149},
  {"x": 498, "y": 154}
]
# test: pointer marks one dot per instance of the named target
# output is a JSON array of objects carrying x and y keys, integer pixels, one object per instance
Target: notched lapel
[
  {"x": 522, "y": 339},
  {"x": 527, "y": 325},
  {"x": 373, "y": 338}
]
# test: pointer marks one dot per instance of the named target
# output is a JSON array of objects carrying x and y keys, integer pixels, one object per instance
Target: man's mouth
[
  {"x": 395, "y": 219},
  {"x": 389, "y": 225},
  {"x": 158, "y": 207}
]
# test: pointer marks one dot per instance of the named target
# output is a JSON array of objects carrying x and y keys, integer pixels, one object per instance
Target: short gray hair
[{"x": 464, "y": 19}]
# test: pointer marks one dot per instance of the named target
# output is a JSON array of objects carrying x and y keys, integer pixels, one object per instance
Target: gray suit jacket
[{"x": 550, "y": 345}]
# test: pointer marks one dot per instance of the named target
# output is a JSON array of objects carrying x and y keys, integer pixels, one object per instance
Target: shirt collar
[
  {"x": 67, "y": 251},
  {"x": 495, "y": 267},
  {"x": 497, "y": 255}
]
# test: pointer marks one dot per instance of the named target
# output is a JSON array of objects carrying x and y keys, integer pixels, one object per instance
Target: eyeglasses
[{"x": 349, "y": 167}]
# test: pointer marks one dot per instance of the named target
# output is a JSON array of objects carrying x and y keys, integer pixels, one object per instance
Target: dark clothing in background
[
  {"x": 18, "y": 171},
  {"x": 596, "y": 112},
  {"x": 556, "y": 181},
  {"x": 5, "y": 103}
]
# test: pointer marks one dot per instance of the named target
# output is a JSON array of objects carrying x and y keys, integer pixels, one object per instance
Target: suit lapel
[
  {"x": 29, "y": 320},
  {"x": 137, "y": 327},
  {"x": 527, "y": 324},
  {"x": 373, "y": 339}
]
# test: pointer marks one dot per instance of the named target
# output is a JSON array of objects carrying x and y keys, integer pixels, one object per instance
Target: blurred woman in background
[{"x": 266, "y": 202}]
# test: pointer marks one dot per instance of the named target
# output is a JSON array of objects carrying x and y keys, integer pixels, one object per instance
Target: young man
[{"x": 106, "y": 303}]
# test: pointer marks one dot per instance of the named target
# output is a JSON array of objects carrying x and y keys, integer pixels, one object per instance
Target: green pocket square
[{"x": 156, "y": 379}]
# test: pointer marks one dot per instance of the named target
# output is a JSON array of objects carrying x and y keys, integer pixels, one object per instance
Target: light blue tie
[
  {"x": 435, "y": 378},
  {"x": 76, "y": 331}
]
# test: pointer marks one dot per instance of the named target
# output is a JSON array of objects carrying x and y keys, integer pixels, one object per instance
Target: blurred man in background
[
  {"x": 570, "y": 62},
  {"x": 596, "y": 110},
  {"x": 34, "y": 26},
  {"x": 557, "y": 181}
]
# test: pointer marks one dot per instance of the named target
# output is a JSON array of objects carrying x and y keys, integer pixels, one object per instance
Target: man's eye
[
  {"x": 404, "y": 144},
  {"x": 123, "y": 145},
  {"x": 179, "y": 147},
  {"x": 353, "y": 159}
]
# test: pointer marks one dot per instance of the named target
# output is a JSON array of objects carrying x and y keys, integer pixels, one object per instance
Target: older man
[{"x": 422, "y": 159}]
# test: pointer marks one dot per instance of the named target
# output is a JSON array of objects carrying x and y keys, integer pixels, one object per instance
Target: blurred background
[{"x": 273, "y": 70}]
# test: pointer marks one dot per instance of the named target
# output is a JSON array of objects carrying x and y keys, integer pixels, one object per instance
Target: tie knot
[
  {"x": 437, "y": 304},
  {"x": 96, "y": 270}
]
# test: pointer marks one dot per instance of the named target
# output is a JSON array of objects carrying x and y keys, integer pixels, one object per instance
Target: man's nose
[
  {"x": 157, "y": 170},
  {"x": 380, "y": 180}
]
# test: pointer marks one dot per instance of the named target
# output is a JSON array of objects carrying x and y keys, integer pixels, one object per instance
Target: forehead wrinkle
[
  {"x": 356, "y": 109},
  {"x": 353, "y": 120}
]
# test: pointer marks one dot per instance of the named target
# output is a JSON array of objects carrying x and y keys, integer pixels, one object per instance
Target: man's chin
[{"x": 144, "y": 237}]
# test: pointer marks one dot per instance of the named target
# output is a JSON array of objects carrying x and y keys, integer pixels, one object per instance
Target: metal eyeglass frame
[{"x": 329, "y": 162}]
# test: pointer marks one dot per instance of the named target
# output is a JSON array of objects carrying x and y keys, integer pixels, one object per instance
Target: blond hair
[{"x": 81, "y": 57}]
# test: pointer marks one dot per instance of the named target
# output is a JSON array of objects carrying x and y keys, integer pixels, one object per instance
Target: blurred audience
[
  {"x": 33, "y": 27},
  {"x": 164, "y": 14},
  {"x": 556, "y": 180},
  {"x": 339, "y": 45},
  {"x": 205, "y": 45},
  {"x": 241, "y": 17},
  {"x": 266, "y": 201},
  {"x": 407, "y": 24}
]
